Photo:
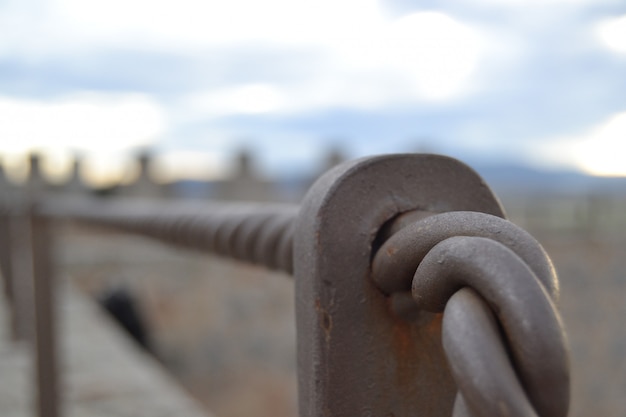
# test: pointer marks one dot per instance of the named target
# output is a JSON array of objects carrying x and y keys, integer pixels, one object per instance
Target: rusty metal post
[
  {"x": 48, "y": 403},
  {"x": 19, "y": 235},
  {"x": 356, "y": 357},
  {"x": 6, "y": 268}
]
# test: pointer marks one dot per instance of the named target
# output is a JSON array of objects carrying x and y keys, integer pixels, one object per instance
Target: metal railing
[{"x": 414, "y": 296}]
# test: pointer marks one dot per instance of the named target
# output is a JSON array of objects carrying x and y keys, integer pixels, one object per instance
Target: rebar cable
[{"x": 251, "y": 232}]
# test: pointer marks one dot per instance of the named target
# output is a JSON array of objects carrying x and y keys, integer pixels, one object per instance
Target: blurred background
[{"x": 245, "y": 100}]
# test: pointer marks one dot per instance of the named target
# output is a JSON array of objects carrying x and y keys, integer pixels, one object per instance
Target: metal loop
[
  {"x": 398, "y": 258},
  {"x": 529, "y": 319},
  {"x": 473, "y": 346}
]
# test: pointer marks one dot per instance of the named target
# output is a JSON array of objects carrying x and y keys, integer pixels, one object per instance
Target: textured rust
[
  {"x": 391, "y": 250},
  {"x": 326, "y": 319},
  {"x": 403, "y": 348}
]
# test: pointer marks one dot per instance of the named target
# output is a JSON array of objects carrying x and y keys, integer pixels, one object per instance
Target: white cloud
[
  {"x": 323, "y": 92},
  {"x": 422, "y": 57},
  {"x": 256, "y": 98},
  {"x": 542, "y": 3},
  {"x": 193, "y": 22},
  {"x": 439, "y": 52},
  {"x": 612, "y": 32},
  {"x": 94, "y": 122},
  {"x": 102, "y": 127},
  {"x": 599, "y": 151}
]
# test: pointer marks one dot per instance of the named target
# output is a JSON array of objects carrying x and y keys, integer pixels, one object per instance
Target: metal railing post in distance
[
  {"x": 21, "y": 273},
  {"x": 356, "y": 355},
  {"x": 48, "y": 404},
  {"x": 6, "y": 268}
]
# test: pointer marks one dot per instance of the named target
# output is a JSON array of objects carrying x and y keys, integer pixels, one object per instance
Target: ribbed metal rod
[{"x": 256, "y": 233}]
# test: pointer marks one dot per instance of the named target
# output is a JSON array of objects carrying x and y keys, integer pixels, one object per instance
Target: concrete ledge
[{"x": 103, "y": 372}]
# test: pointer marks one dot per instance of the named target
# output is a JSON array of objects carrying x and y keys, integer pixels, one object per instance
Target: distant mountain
[
  {"x": 505, "y": 178},
  {"x": 514, "y": 177}
]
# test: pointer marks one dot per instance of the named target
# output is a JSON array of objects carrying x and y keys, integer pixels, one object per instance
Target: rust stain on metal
[
  {"x": 404, "y": 351},
  {"x": 391, "y": 250},
  {"x": 327, "y": 323},
  {"x": 434, "y": 326},
  {"x": 326, "y": 319}
]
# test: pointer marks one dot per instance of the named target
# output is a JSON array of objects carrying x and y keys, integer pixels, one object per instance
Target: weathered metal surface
[
  {"x": 6, "y": 267},
  {"x": 21, "y": 274},
  {"x": 529, "y": 321},
  {"x": 424, "y": 253},
  {"x": 398, "y": 258},
  {"x": 356, "y": 357},
  {"x": 473, "y": 345},
  {"x": 47, "y": 375},
  {"x": 27, "y": 265},
  {"x": 254, "y": 233}
]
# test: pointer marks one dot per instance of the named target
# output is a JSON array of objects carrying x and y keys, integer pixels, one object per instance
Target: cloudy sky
[{"x": 542, "y": 82}]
